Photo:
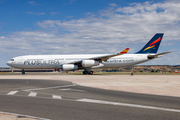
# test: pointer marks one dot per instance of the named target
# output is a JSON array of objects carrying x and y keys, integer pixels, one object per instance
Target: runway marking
[
  {"x": 32, "y": 94},
  {"x": 69, "y": 89},
  {"x": 56, "y": 97},
  {"x": 12, "y": 92},
  {"x": 50, "y": 87},
  {"x": 128, "y": 105}
]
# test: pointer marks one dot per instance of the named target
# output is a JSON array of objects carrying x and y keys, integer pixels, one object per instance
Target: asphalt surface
[{"x": 61, "y": 100}]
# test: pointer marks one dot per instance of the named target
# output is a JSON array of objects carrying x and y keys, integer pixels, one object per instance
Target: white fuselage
[{"x": 55, "y": 61}]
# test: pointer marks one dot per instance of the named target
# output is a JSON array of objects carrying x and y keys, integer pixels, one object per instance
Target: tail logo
[{"x": 151, "y": 45}]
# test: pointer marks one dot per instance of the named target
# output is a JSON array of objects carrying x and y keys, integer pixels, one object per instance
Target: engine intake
[{"x": 89, "y": 63}]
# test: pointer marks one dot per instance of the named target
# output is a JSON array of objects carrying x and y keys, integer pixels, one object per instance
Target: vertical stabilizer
[{"x": 153, "y": 45}]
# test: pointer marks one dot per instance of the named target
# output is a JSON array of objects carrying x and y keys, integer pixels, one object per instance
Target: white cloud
[
  {"x": 71, "y": 1},
  {"x": 107, "y": 32},
  {"x": 113, "y": 4},
  {"x": 54, "y": 13},
  {"x": 69, "y": 16},
  {"x": 36, "y": 13},
  {"x": 32, "y": 3},
  {"x": 49, "y": 23}
]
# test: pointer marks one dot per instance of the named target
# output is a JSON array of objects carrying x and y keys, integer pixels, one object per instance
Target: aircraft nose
[{"x": 9, "y": 63}]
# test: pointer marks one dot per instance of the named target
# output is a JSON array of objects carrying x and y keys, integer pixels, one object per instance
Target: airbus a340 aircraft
[{"x": 89, "y": 61}]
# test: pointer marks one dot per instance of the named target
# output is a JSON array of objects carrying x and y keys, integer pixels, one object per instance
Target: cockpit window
[{"x": 12, "y": 59}]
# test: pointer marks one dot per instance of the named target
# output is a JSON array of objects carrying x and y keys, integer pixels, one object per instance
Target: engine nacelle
[
  {"x": 69, "y": 67},
  {"x": 89, "y": 63}
]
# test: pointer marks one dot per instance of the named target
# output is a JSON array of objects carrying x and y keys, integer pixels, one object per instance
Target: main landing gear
[
  {"x": 85, "y": 72},
  {"x": 23, "y": 72}
]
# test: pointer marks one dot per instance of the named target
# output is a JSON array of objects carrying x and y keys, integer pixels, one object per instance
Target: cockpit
[{"x": 9, "y": 63}]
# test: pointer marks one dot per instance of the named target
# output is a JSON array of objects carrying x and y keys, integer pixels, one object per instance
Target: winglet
[{"x": 124, "y": 51}]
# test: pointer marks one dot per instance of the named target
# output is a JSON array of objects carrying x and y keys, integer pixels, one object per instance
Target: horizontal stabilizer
[{"x": 157, "y": 55}]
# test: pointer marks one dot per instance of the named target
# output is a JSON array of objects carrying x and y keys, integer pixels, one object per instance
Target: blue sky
[{"x": 88, "y": 26}]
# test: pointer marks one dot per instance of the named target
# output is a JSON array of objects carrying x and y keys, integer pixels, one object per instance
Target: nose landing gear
[{"x": 23, "y": 72}]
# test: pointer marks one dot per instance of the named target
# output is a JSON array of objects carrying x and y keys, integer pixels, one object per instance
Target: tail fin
[{"x": 153, "y": 45}]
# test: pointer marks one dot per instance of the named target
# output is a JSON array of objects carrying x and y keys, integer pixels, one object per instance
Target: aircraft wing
[
  {"x": 157, "y": 55},
  {"x": 101, "y": 58},
  {"x": 106, "y": 57}
]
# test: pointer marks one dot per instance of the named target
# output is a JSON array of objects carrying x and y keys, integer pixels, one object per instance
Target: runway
[{"x": 56, "y": 100}]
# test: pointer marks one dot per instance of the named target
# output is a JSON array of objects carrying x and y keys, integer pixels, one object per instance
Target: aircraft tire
[
  {"x": 23, "y": 72},
  {"x": 91, "y": 72},
  {"x": 85, "y": 72}
]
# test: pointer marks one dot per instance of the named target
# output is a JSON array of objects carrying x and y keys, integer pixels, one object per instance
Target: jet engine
[
  {"x": 69, "y": 67},
  {"x": 89, "y": 63}
]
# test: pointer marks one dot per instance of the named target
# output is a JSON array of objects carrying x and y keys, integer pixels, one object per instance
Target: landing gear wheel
[
  {"x": 91, "y": 72},
  {"x": 85, "y": 72},
  {"x": 23, "y": 72}
]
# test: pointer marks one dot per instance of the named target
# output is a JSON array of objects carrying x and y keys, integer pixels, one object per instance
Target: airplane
[{"x": 89, "y": 61}]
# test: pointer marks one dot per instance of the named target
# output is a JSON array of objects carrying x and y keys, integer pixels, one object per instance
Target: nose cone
[{"x": 9, "y": 63}]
